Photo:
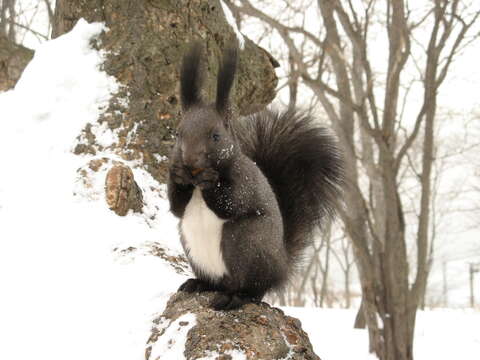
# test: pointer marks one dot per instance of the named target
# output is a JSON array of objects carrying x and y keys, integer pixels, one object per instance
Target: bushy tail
[{"x": 303, "y": 164}]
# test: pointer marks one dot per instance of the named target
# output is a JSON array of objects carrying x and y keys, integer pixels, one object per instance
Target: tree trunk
[
  {"x": 13, "y": 60},
  {"x": 325, "y": 272},
  {"x": 254, "y": 332},
  {"x": 347, "y": 288},
  {"x": 360, "y": 322},
  {"x": 7, "y": 23},
  {"x": 144, "y": 46}
]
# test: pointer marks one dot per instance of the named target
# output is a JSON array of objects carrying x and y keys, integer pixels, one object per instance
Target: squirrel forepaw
[
  {"x": 207, "y": 179},
  {"x": 180, "y": 175}
]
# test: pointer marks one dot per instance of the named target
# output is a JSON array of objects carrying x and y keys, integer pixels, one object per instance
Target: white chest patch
[{"x": 202, "y": 233}]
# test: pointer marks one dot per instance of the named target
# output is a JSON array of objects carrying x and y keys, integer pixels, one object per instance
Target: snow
[
  {"x": 171, "y": 345},
  {"x": 234, "y": 355},
  {"x": 442, "y": 334},
  {"x": 231, "y": 21},
  {"x": 68, "y": 290}
]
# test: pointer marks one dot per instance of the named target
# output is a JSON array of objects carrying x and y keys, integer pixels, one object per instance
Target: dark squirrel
[{"x": 249, "y": 192}]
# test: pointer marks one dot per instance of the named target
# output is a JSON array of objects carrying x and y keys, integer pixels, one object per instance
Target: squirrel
[{"x": 249, "y": 193}]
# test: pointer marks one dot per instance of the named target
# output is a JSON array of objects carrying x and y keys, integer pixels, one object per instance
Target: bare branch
[
  {"x": 249, "y": 9},
  {"x": 48, "y": 5},
  {"x": 455, "y": 47},
  {"x": 410, "y": 139},
  {"x": 29, "y": 29}
]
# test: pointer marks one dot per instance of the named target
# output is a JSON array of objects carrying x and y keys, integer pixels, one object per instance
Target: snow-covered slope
[{"x": 65, "y": 294}]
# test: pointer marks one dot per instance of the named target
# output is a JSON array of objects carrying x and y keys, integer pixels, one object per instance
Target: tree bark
[
  {"x": 144, "y": 47},
  {"x": 13, "y": 60}
]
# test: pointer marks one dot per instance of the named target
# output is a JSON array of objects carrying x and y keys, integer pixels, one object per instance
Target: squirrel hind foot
[
  {"x": 195, "y": 285},
  {"x": 227, "y": 301}
]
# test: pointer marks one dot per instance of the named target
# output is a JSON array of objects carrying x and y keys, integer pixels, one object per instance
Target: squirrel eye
[{"x": 215, "y": 137}]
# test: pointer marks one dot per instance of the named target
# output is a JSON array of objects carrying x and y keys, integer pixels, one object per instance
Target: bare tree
[
  {"x": 365, "y": 109},
  {"x": 8, "y": 16},
  {"x": 344, "y": 256},
  {"x": 17, "y": 19},
  {"x": 312, "y": 280},
  {"x": 13, "y": 56}
]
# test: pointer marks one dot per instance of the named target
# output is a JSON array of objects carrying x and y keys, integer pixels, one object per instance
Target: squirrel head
[{"x": 203, "y": 136}]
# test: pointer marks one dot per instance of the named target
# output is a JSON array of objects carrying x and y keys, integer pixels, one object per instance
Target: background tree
[
  {"x": 364, "y": 98},
  {"x": 19, "y": 20},
  {"x": 344, "y": 255},
  {"x": 8, "y": 16},
  {"x": 13, "y": 57}
]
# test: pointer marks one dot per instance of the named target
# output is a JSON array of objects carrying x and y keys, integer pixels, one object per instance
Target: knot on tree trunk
[
  {"x": 121, "y": 191},
  {"x": 190, "y": 326}
]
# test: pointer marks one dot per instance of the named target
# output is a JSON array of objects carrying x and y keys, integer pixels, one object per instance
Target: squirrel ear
[
  {"x": 226, "y": 75},
  {"x": 190, "y": 77}
]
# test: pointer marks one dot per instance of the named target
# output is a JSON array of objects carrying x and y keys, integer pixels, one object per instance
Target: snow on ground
[
  {"x": 65, "y": 294},
  {"x": 172, "y": 344},
  {"x": 441, "y": 334}
]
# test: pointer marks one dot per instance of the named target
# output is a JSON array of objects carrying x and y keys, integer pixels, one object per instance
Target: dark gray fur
[{"x": 279, "y": 180}]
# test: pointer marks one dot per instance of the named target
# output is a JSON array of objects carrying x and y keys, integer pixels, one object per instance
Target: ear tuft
[
  {"x": 226, "y": 75},
  {"x": 190, "y": 77}
]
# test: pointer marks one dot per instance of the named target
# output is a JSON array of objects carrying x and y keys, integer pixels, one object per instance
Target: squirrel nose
[{"x": 193, "y": 162}]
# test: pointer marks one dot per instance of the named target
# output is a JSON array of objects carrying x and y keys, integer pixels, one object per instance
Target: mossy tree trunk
[{"x": 144, "y": 46}]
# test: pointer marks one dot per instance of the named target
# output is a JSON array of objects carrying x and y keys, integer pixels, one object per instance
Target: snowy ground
[
  {"x": 440, "y": 335},
  {"x": 65, "y": 292}
]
